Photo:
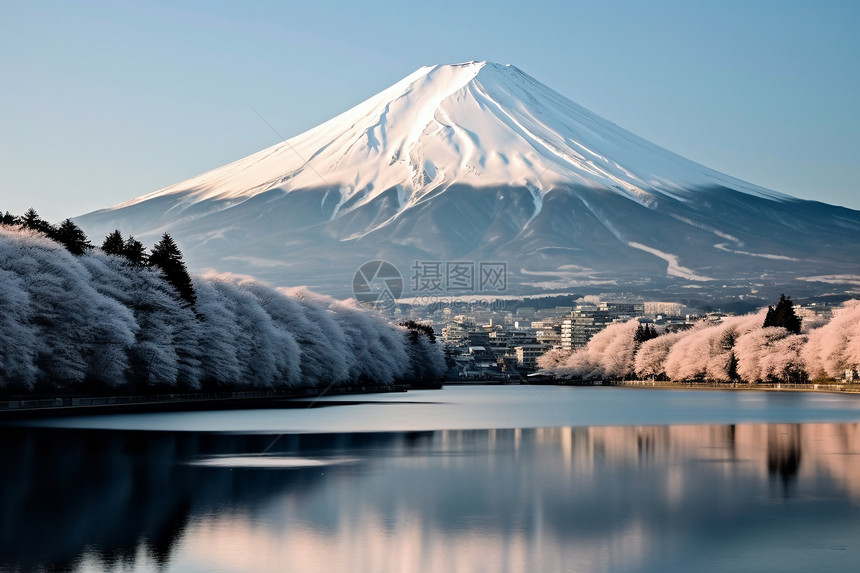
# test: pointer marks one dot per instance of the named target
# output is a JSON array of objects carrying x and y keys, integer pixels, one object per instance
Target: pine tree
[
  {"x": 72, "y": 237},
  {"x": 783, "y": 315},
  {"x": 417, "y": 329},
  {"x": 168, "y": 258},
  {"x": 733, "y": 368},
  {"x": 31, "y": 220},
  {"x": 8, "y": 218},
  {"x": 113, "y": 244},
  {"x": 130, "y": 248},
  {"x": 644, "y": 333},
  {"x": 134, "y": 251}
]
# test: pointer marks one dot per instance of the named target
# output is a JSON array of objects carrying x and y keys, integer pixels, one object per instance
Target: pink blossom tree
[
  {"x": 835, "y": 347},
  {"x": 651, "y": 358},
  {"x": 770, "y": 354}
]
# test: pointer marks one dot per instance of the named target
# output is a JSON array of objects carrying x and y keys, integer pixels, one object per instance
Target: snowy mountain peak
[
  {"x": 475, "y": 123},
  {"x": 481, "y": 162}
]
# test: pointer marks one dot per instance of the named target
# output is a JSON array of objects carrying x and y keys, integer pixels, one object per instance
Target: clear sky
[{"x": 103, "y": 101}]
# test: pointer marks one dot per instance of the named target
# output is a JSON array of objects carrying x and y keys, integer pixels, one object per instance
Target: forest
[
  {"x": 77, "y": 318},
  {"x": 772, "y": 345}
]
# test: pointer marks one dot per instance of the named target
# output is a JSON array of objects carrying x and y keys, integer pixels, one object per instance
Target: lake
[{"x": 467, "y": 478}]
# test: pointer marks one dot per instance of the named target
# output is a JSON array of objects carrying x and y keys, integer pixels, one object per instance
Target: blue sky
[{"x": 105, "y": 101}]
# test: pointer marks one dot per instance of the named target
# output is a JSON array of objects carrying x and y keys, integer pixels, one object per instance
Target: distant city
[{"x": 491, "y": 344}]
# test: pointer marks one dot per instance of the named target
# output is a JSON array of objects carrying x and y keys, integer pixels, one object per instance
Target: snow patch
[
  {"x": 568, "y": 283},
  {"x": 833, "y": 279},
  {"x": 724, "y": 247},
  {"x": 707, "y": 228},
  {"x": 674, "y": 269}
]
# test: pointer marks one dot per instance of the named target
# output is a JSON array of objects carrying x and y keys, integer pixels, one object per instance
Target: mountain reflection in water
[{"x": 650, "y": 498}]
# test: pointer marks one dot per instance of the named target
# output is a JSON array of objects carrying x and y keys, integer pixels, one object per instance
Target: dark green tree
[
  {"x": 130, "y": 248},
  {"x": 167, "y": 257},
  {"x": 644, "y": 333},
  {"x": 8, "y": 218},
  {"x": 134, "y": 251},
  {"x": 417, "y": 329},
  {"x": 72, "y": 237},
  {"x": 733, "y": 368},
  {"x": 783, "y": 315},
  {"x": 31, "y": 220},
  {"x": 114, "y": 244}
]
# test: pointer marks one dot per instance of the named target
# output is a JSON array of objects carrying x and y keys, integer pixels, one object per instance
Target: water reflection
[{"x": 651, "y": 498}]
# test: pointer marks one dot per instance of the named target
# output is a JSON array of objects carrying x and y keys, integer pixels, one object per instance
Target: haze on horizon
[{"x": 106, "y": 102}]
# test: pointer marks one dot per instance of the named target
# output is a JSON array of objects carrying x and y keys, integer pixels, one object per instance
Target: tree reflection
[
  {"x": 557, "y": 494},
  {"x": 110, "y": 493},
  {"x": 783, "y": 453}
]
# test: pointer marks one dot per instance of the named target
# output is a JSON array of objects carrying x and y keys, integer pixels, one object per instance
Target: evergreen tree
[
  {"x": 134, "y": 251},
  {"x": 130, "y": 248},
  {"x": 8, "y": 218},
  {"x": 72, "y": 237},
  {"x": 783, "y": 315},
  {"x": 644, "y": 333},
  {"x": 416, "y": 329},
  {"x": 31, "y": 220},
  {"x": 167, "y": 257},
  {"x": 733, "y": 368},
  {"x": 114, "y": 244}
]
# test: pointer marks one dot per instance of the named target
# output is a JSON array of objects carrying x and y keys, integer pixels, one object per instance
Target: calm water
[{"x": 463, "y": 479}]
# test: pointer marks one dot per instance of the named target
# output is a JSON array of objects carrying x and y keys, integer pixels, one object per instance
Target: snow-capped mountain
[{"x": 479, "y": 162}]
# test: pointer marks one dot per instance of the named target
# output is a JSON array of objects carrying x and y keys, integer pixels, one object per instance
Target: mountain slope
[{"x": 481, "y": 162}]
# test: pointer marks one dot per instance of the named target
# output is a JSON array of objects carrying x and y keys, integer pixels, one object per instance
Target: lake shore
[
  {"x": 542, "y": 380},
  {"x": 836, "y": 388},
  {"x": 41, "y": 407}
]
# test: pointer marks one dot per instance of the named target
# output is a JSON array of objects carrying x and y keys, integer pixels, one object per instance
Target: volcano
[{"x": 478, "y": 164}]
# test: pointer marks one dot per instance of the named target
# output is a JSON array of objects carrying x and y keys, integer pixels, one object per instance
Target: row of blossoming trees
[
  {"x": 111, "y": 319},
  {"x": 737, "y": 349}
]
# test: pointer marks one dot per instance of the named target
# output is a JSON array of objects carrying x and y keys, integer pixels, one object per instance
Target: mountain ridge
[{"x": 462, "y": 161}]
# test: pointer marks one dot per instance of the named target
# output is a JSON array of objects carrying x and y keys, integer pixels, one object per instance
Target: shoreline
[
  {"x": 834, "y": 388},
  {"x": 104, "y": 405},
  {"x": 36, "y": 407}
]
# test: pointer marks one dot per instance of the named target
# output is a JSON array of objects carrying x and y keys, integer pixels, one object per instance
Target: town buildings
[{"x": 497, "y": 344}]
